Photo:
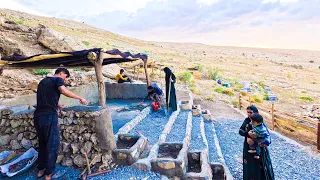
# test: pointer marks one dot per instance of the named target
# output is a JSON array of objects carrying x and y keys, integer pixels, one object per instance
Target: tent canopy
[{"x": 68, "y": 59}]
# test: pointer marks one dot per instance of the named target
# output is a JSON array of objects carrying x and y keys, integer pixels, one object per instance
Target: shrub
[
  {"x": 261, "y": 84},
  {"x": 219, "y": 90},
  {"x": 211, "y": 97},
  {"x": 311, "y": 61},
  {"x": 77, "y": 69},
  {"x": 304, "y": 91},
  {"x": 235, "y": 103},
  {"x": 195, "y": 90},
  {"x": 198, "y": 67},
  {"x": 186, "y": 77},
  {"x": 228, "y": 92},
  {"x": 197, "y": 75},
  {"x": 257, "y": 98},
  {"x": 40, "y": 71},
  {"x": 306, "y": 98},
  {"x": 86, "y": 43},
  {"x": 214, "y": 73}
]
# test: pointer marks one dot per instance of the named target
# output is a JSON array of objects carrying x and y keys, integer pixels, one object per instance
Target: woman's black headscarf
[
  {"x": 253, "y": 108},
  {"x": 168, "y": 73}
]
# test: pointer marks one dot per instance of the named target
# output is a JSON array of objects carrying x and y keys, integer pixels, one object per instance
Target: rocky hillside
[{"x": 293, "y": 75}]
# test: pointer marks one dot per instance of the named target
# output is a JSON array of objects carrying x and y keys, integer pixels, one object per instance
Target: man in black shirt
[{"x": 46, "y": 119}]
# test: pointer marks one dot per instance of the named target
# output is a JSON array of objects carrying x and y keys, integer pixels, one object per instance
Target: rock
[
  {"x": 106, "y": 158},
  {"x": 57, "y": 42},
  {"x": 65, "y": 147},
  {"x": 15, "y": 145},
  {"x": 10, "y": 46},
  {"x": 9, "y": 96},
  {"x": 4, "y": 140},
  {"x": 33, "y": 135},
  {"x": 60, "y": 121},
  {"x": 82, "y": 129},
  {"x": 34, "y": 143},
  {"x": 94, "y": 139},
  {"x": 87, "y": 147},
  {"x": 67, "y": 161},
  {"x": 3, "y": 122},
  {"x": 110, "y": 70},
  {"x": 27, "y": 144},
  {"x": 87, "y": 136},
  {"x": 80, "y": 161},
  {"x": 33, "y": 86},
  {"x": 74, "y": 148},
  {"x": 59, "y": 159},
  {"x": 15, "y": 123},
  {"x": 67, "y": 121}
]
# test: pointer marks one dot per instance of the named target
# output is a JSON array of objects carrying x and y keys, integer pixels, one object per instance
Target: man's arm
[
  {"x": 121, "y": 77},
  {"x": 63, "y": 90}
]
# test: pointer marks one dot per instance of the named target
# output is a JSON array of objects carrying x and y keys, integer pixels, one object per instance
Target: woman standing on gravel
[
  {"x": 254, "y": 169},
  {"x": 170, "y": 89}
]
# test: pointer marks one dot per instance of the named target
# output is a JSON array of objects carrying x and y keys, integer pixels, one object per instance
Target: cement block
[
  {"x": 206, "y": 114},
  {"x": 186, "y": 105},
  {"x": 218, "y": 171},
  {"x": 196, "y": 110},
  {"x": 129, "y": 148},
  {"x": 198, "y": 166}
]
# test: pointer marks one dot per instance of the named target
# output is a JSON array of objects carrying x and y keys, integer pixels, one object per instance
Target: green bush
[
  {"x": 304, "y": 91},
  {"x": 258, "y": 98},
  {"x": 214, "y": 73},
  {"x": 261, "y": 84},
  {"x": 86, "y": 43},
  {"x": 77, "y": 69},
  {"x": 198, "y": 67},
  {"x": 219, "y": 90},
  {"x": 306, "y": 98},
  {"x": 40, "y": 71},
  {"x": 186, "y": 77},
  {"x": 235, "y": 103},
  {"x": 228, "y": 92},
  {"x": 19, "y": 21}
]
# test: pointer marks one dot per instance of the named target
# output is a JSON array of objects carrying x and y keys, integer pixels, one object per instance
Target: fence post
[
  {"x": 318, "y": 135},
  {"x": 272, "y": 115},
  {"x": 250, "y": 101},
  {"x": 240, "y": 101}
]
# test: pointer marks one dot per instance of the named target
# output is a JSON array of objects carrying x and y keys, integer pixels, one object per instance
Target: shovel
[{"x": 167, "y": 110}]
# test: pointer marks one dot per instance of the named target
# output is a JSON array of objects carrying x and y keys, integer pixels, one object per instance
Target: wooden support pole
[
  {"x": 146, "y": 71},
  {"x": 272, "y": 115},
  {"x": 318, "y": 137},
  {"x": 97, "y": 63}
]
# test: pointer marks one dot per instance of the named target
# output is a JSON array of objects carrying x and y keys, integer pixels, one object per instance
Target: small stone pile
[
  {"x": 77, "y": 134},
  {"x": 312, "y": 111}
]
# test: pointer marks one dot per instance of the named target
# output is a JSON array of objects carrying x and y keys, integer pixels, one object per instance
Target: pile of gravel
[
  {"x": 213, "y": 155},
  {"x": 196, "y": 142},
  {"x": 152, "y": 126},
  {"x": 178, "y": 130},
  {"x": 127, "y": 172}
]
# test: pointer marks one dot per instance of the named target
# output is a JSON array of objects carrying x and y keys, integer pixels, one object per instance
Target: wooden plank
[
  {"x": 294, "y": 123},
  {"x": 288, "y": 133},
  {"x": 299, "y": 118},
  {"x": 300, "y": 133}
]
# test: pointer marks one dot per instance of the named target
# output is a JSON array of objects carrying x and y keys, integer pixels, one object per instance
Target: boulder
[
  {"x": 15, "y": 145},
  {"x": 57, "y": 42}
]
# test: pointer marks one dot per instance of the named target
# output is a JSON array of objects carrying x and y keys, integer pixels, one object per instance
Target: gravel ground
[
  {"x": 289, "y": 161},
  {"x": 69, "y": 173},
  {"x": 178, "y": 130},
  {"x": 152, "y": 126},
  {"x": 213, "y": 155},
  {"x": 196, "y": 142},
  {"x": 127, "y": 172}
]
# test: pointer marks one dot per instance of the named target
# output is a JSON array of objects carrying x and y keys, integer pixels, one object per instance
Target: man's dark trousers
[{"x": 47, "y": 128}]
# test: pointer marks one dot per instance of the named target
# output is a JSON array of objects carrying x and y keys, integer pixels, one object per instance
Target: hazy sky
[{"x": 255, "y": 23}]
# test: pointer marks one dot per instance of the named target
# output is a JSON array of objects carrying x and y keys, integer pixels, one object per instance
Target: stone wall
[{"x": 79, "y": 133}]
